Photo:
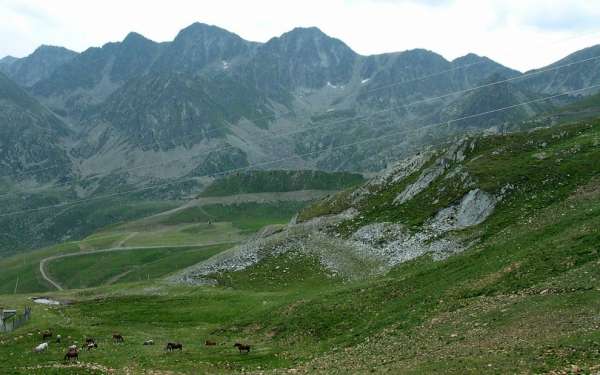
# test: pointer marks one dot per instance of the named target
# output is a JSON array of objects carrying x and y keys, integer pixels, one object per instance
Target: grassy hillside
[
  {"x": 522, "y": 298},
  {"x": 189, "y": 226},
  {"x": 30, "y": 230},
  {"x": 245, "y": 216},
  {"x": 280, "y": 181},
  {"x": 578, "y": 109},
  {"x": 129, "y": 265}
]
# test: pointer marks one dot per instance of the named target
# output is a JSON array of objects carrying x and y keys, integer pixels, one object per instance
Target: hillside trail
[
  {"x": 271, "y": 197},
  {"x": 129, "y": 236},
  {"x": 116, "y": 278},
  {"x": 55, "y": 284}
]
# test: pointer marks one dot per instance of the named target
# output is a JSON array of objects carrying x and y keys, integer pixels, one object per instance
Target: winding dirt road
[{"x": 44, "y": 262}]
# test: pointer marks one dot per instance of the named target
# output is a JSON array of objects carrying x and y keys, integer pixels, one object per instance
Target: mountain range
[{"x": 136, "y": 113}]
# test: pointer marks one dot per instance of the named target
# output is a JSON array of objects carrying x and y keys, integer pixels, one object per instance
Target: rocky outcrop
[
  {"x": 456, "y": 153},
  {"x": 473, "y": 209},
  {"x": 373, "y": 248}
]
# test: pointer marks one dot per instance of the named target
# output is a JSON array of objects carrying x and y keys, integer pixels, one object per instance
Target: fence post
[{"x": 16, "y": 321}]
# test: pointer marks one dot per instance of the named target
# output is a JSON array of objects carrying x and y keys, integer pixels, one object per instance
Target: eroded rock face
[
  {"x": 395, "y": 244},
  {"x": 426, "y": 178},
  {"x": 456, "y": 153},
  {"x": 395, "y": 173},
  {"x": 473, "y": 209}
]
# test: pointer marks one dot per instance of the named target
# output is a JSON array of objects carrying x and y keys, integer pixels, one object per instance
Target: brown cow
[
  {"x": 46, "y": 334},
  {"x": 242, "y": 347},
  {"x": 72, "y": 354},
  {"x": 117, "y": 337},
  {"x": 174, "y": 345}
]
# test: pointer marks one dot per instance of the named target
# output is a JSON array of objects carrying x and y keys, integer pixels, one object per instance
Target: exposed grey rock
[
  {"x": 39, "y": 65},
  {"x": 455, "y": 153},
  {"x": 473, "y": 209},
  {"x": 304, "y": 238},
  {"x": 395, "y": 244},
  {"x": 425, "y": 179}
]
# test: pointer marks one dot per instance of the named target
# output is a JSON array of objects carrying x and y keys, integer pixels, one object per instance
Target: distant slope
[
  {"x": 502, "y": 102},
  {"x": 165, "y": 110},
  {"x": 30, "y": 135},
  {"x": 90, "y": 77},
  {"x": 581, "y": 69},
  {"x": 36, "y": 67},
  {"x": 5, "y": 62},
  {"x": 280, "y": 181},
  {"x": 581, "y": 108},
  {"x": 416, "y": 74}
]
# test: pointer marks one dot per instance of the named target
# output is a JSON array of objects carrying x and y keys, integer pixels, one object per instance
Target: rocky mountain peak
[
  {"x": 200, "y": 45},
  {"x": 37, "y": 66},
  {"x": 304, "y": 57},
  {"x": 302, "y": 39},
  {"x": 134, "y": 38},
  {"x": 6, "y": 61},
  {"x": 469, "y": 58}
]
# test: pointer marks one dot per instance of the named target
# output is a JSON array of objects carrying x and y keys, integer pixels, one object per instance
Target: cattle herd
[{"x": 90, "y": 344}]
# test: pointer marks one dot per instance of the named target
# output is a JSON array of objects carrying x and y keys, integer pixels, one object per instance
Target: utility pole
[{"x": 16, "y": 285}]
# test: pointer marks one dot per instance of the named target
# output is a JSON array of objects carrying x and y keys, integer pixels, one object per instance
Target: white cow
[{"x": 41, "y": 347}]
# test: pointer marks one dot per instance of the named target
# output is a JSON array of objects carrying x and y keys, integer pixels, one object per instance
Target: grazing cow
[
  {"x": 41, "y": 347},
  {"x": 72, "y": 354},
  {"x": 90, "y": 340},
  {"x": 72, "y": 347},
  {"x": 91, "y": 345},
  {"x": 58, "y": 338},
  {"x": 210, "y": 343},
  {"x": 149, "y": 342},
  {"x": 46, "y": 335},
  {"x": 117, "y": 337},
  {"x": 242, "y": 347},
  {"x": 174, "y": 345}
]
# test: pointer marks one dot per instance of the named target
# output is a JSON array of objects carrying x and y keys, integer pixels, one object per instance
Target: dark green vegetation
[
  {"x": 128, "y": 265},
  {"x": 248, "y": 217},
  {"x": 523, "y": 299},
  {"x": 20, "y": 273},
  {"x": 280, "y": 181},
  {"x": 43, "y": 228},
  {"x": 280, "y": 272}
]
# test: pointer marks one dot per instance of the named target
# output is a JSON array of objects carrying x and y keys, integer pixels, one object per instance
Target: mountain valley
[{"x": 334, "y": 213}]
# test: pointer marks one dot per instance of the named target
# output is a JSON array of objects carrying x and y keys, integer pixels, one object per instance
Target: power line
[
  {"x": 64, "y": 204},
  {"x": 360, "y": 117},
  {"x": 281, "y": 115}
]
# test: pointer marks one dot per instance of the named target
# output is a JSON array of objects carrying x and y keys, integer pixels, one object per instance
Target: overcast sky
[{"x": 522, "y": 34}]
